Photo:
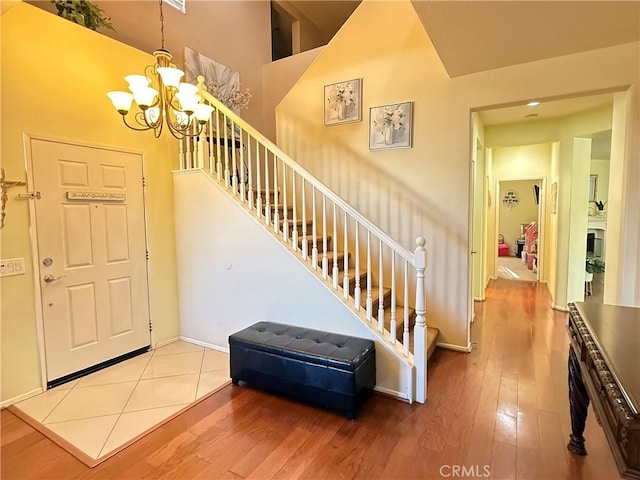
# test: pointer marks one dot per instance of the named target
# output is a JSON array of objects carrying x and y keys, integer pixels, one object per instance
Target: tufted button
[
  {"x": 298, "y": 337},
  {"x": 340, "y": 345},
  {"x": 318, "y": 341}
]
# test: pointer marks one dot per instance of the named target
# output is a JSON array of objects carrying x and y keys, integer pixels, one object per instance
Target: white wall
[{"x": 232, "y": 272}]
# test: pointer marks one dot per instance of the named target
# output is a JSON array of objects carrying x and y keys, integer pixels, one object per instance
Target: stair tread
[{"x": 432, "y": 340}]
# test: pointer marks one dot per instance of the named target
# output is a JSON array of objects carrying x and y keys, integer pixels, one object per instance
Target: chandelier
[{"x": 161, "y": 97}]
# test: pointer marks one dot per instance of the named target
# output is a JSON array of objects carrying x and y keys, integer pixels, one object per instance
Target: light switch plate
[{"x": 11, "y": 266}]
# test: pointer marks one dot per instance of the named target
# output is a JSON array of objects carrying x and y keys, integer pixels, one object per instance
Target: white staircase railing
[{"x": 344, "y": 247}]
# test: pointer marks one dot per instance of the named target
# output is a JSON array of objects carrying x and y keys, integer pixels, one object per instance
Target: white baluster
[
  {"x": 294, "y": 235},
  {"x": 334, "y": 241},
  {"x": 325, "y": 259},
  {"x": 217, "y": 142},
  {"x": 305, "y": 245},
  {"x": 250, "y": 173},
  {"x": 357, "y": 291},
  {"x": 392, "y": 323},
  {"x": 276, "y": 197},
  {"x": 285, "y": 211},
  {"x": 212, "y": 166},
  {"x": 267, "y": 203},
  {"x": 314, "y": 248},
  {"x": 225, "y": 144},
  {"x": 345, "y": 278},
  {"x": 189, "y": 158},
  {"x": 420, "y": 329},
  {"x": 369, "y": 296},
  {"x": 183, "y": 163},
  {"x": 200, "y": 149},
  {"x": 243, "y": 173},
  {"x": 405, "y": 327},
  {"x": 234, "y": 160},
  {"x": 380, "y": 291},
  {"x": 258, "y": 183}
]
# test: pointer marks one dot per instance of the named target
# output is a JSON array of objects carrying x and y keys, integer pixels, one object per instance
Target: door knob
[{"x": 48, "y": 278}]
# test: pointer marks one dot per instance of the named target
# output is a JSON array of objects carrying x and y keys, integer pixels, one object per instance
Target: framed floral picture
[
  {"x": 390, "y": 126},
  {"x": 343, "y": 102}
]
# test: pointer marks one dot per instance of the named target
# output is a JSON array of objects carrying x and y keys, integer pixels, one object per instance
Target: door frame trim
[{"x": 33, "y": 237}]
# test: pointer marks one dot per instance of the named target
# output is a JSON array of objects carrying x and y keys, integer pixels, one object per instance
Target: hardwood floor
[{"x": 500, "y": 412}]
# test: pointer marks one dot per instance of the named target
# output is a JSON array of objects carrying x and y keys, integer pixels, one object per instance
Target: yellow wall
[
  {"x": 234, "y": 33},
  {"x": 526, "y": 211},
  {"x": 55, "y": 76},
  {"x": 425, "y": 190}
]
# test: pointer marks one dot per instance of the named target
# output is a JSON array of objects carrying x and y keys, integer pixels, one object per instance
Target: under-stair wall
[{"x": 232, "y": 274}]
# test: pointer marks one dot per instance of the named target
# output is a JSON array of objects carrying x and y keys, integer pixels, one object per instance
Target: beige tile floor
[{"x": 102, "y": 411}]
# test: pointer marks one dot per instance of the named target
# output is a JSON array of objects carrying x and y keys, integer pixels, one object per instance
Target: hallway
[{"x": 501, "y": 409}]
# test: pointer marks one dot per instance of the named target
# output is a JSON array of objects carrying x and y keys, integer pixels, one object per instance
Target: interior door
[{"x": 92, "y": 254}]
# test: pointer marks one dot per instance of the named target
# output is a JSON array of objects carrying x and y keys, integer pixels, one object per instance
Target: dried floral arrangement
[{"x": 235, "y": 100}]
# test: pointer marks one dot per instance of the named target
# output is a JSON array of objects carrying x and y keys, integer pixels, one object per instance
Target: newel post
[{"x": 420, "y": 329}]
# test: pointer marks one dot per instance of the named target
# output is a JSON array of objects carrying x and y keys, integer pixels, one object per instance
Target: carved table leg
[{"x": 578, "y": 405}]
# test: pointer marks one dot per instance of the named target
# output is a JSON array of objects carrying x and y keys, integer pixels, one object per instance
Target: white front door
[{"x": 92, "y": 254}]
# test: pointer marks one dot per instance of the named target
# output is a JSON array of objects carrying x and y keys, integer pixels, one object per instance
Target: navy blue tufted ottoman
[{"x": 326, "y": 369}]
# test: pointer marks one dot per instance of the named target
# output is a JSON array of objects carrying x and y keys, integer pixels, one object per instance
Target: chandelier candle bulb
[
  {"x": 145, "y": 97},
  {"x": 121, "y": 101},
  {"x": 203, "y": 112},
  {"x": 170, "y": 76},
  {"x": 137, "y": 81},
  {"x": 187, "y": 101}
]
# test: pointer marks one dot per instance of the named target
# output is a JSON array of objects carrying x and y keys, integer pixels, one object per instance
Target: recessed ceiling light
[{"x": 533, "y": 104}]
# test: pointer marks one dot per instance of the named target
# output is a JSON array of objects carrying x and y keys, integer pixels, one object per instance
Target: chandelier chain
[{"x": 162, "y": 25}]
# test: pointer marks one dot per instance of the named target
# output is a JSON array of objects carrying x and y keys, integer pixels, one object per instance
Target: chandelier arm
[
  {"x": 150, "y": 71},
  {"x": 157, "y": 131},
  {"x": 133, "y": 127}
]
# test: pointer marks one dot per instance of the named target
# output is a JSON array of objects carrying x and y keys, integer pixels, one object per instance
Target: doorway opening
[{"x": 519, "y": 237}]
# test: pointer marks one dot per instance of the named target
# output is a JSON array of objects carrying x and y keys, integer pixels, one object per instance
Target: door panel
[{"x": 90, "y": 222}]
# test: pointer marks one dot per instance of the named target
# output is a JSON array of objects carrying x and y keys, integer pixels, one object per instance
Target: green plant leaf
[{"x": 83, "y": 13}]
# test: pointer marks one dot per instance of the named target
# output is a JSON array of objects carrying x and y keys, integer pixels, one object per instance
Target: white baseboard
[
  {"x": 479, "y": 299},
  {"x": 19, "y": 398},
  {"x": 167, "y": 342},
  {"x": 392, "y": 393},
  {"x": 457, "y": 348},
  {"x": 558, "y": 307},
  {"x": 205, "y": 344}
]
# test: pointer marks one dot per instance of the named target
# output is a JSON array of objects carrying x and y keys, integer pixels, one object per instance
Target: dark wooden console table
[{"x": 604, "y": 368}]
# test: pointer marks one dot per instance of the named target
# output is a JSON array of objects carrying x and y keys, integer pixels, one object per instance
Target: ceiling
[
  {"x": 327, "y": 16},
  {"x": 474, "y": 36}
]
